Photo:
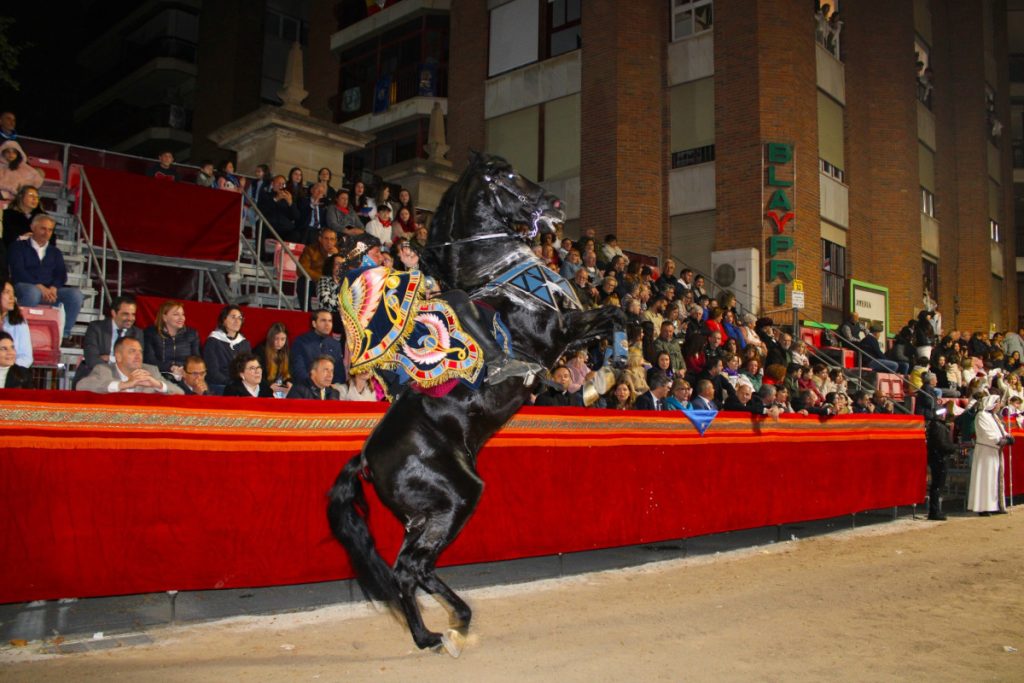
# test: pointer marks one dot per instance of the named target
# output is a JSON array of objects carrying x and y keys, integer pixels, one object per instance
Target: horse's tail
[{"x": 346, "y": 513}]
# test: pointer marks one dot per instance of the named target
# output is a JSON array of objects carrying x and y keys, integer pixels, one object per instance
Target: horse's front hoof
[{"x": 452, "y": 641}]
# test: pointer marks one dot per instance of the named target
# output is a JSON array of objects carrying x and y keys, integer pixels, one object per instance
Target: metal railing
[
  {"x": 96, "y": 264},
  {"x": 249, "y": 256}
]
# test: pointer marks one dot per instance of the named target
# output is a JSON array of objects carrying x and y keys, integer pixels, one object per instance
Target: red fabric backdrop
[
  {"x": 203, "y": 317},
  {"x": 104, "y": 495},
  {"x": 149, "y": 216}
]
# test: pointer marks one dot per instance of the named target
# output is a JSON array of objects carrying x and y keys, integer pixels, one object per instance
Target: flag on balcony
[
  {"x": 374, "y": 6},
  {"x": 382, "y": 94}
]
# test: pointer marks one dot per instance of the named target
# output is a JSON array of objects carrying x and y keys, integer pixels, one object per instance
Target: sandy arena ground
[{"x": 910, "y": 600}]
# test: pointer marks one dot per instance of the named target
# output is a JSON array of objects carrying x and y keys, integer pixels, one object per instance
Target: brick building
[{"x": 858, "y": 151}]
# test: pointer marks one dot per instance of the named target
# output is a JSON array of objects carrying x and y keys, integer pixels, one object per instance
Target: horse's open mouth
[{"x": 549, "y": 220}]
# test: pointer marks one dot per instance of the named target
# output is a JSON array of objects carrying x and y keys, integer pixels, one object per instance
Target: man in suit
[
  {"x": 100, "y": 335},
  {"x": 12, "y": 376},
  {"x": 655, "y": 398},
  {"x": 705, "y": 398},
  {"x": 713, "y": 373},
  {"x": 127, "y": 374},
  {"x": 317, "y": 385},
  {"x": 193, "y": 381}
]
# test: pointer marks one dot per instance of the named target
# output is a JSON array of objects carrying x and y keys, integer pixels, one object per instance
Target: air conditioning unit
[{"x": 739, "y": 271}]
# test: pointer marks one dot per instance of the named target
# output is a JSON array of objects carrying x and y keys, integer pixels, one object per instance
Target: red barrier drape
[
  {"x": 203, "y": 317},
  {"x": 105, "y": 495},
  {"x": 150, "y": 216}
]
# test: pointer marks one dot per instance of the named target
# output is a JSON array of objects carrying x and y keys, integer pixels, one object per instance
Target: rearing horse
[{"x": 421, "y": 457}]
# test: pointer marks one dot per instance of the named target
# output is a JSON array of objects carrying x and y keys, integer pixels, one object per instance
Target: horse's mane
[{"x": 453, "y": 211}]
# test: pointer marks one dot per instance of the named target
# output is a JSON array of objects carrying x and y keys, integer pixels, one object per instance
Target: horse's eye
[{"x": 511, "y": 176}]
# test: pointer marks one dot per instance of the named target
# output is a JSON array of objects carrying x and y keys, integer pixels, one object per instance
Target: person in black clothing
[
  {"x": 317, "y": 385},
  {"x": 164, "y": 168},
  {"x": 560, "y": 397},
  {"x": 247, "y": 378},
  {"x": 281, "y": 209},
  {"x": 939, "y": 439},
  {"x": 12, "y": 376},
  {"x": 655, "y": 398}
]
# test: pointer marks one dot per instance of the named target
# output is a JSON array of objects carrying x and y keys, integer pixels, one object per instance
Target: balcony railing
[
  {"x": 406, "y": 83},
  {"x": 692, "y": 157}
]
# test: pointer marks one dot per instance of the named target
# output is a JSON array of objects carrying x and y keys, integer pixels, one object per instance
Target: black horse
[{"x": 421, "y": 457}]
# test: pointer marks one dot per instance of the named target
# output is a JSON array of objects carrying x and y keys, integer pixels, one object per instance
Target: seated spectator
[
  {"x": 317, "y": 384},
  {"x": 315, "y": 343},
  {"x": 745, "y": 400},
  {"x": 226, "y": 179},
  {"x": 380, "y": 225},
  {"x": 164, "y": 168},
  {"x": 570, "y": 264},
  {"x": 280, "y": 209},
  {"x": 313, "y": 213},
  {"x": 341, "y": 217},
  {"x": 100, "y": 335},
  {"x": 654, "y": 398},
  {"x": 668, "y": 344},
  {"x": 404, "y": 226},
  {"x": 752, "y": 372},
  {"x": 405, "y": 201},
  {"x": 193, "y": 381},
  {"x": 731, "y": 367},
  {"x": 698, "y": 288},
  {"x": 862, "y": 404},
  {"x": 7, "y": 121},
  {"x": 207, "y": 175},
  {"x": 662, "y": 366},
  {"x": 314, "y": 256},
  {"x": 874, "y": 357},
  {"x": 358, "y": 388},
  {"x": 364, "y": 206},
  {"x": 223, "y": 344},
  {"x": 851, "y": 332},
  {"x": 247, "y": 378},
  {"x": 127, "y": 374},
  {"x": 839, "y": 401},
  {"x": 694, "y": 355},
  {"x": 579, "y": 372},
  {"x": 562, "y": 397},
  {"x": 705, "y": 398},
  {"x": 274, "y": 354},
  {"x": 679, "y": 395},
  {"x": 419, "y": 240},
  {"x": 39, "y": 273},
  {"x": 920, "y": 367},
  {"x": 13, "y": 323},
  {"x": 713, "y": 373},
  {"x": 324, "y": 176},
  {"x": 17, "y": 219},
  {"x": 800, "y": 358},
  {"x": 584, "y": 291},
  {"x": 782, "y": 400},
  {"x": 15, "y": 172},
  {"x": 295, "y": 185},
  {"x": 259, "y": 188},
  {"x": 12, "y": 376},
  {"x": 941, "y": 370},
  {"x": 621, "y": 397},
  {"x": 168, "y": 342}
]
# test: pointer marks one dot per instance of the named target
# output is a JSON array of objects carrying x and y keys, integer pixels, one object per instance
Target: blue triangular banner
[{"x": 701, "y": 419}]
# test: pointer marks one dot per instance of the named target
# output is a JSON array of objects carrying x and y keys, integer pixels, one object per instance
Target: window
[
  {"x": 541, "y": 142},
  {"x": 830, "y": 137},
  {"x": 828, "y": 26},
  {"x": 927, "y": 203},
  {"x": 993, "y": 230},
  {"x": 923, "y": 69},
  {"x": 515, "y": 29},
  {"x": 833, "y": 274},
  {"x": 690, "y": 17},
  {"x": 930, "y": 273},
  {"x": 693, "y": 122},
  {"x": 563, "y": 26}
]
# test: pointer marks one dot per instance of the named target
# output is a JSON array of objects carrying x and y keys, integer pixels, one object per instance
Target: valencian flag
[{"x": 701, "y": 419}]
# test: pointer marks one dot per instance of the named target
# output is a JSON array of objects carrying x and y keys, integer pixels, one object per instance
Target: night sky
[{"x": 45, "y": 103}]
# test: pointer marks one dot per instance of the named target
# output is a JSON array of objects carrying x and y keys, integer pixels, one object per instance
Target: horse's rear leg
[{"x": 425, "y": 540}]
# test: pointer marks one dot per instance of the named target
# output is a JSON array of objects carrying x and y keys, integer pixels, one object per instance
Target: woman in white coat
[{"x": 986, "y": 490}]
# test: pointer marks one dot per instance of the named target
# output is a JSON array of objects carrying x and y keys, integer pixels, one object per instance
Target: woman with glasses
[
  {"x": 679, "y": 395},
  {"x": 247, "y": 378},
  {"x": 222, "y": 346}
]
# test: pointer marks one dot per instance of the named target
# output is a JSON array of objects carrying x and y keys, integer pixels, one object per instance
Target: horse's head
[{"x": 515, "y": 200}]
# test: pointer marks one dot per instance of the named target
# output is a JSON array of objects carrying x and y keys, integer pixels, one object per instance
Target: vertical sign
[{"x": 778, "y": 187}]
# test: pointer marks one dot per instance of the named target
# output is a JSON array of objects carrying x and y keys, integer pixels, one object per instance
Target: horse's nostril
[{"x": 557, "y": 204}]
